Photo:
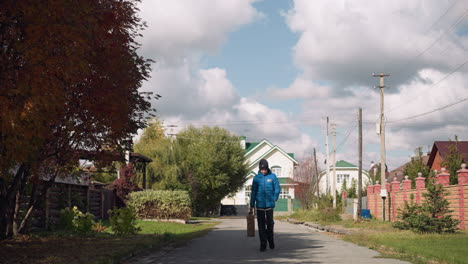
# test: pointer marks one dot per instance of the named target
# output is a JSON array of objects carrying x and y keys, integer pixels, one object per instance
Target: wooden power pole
[
  {"x": 316, "y": 176},
  {"x": 360, "y": 166},
  {"x": 334, "y": 165}
]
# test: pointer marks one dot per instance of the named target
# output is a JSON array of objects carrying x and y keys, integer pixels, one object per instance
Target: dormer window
[{"x": 276, "y": 170}]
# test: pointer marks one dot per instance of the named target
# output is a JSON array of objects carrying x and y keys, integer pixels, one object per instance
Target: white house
[
  {"x": 280, "y": 162},
  {"x": 344, "y": 171}
]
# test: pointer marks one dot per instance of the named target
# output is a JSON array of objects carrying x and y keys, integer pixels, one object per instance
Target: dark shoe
[
  {"x": 272, "y": 244},
  {"x": 262, "y": 247}
]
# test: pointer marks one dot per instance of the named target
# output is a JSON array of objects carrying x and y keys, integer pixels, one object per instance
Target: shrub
[
  {"x": 151, "y": 204},
  {"x": 432, "y": 216},
  {"x": 74, "y": 220},
  {"x": 123, "y": 221},
  {"x": 125, "y": 184}
]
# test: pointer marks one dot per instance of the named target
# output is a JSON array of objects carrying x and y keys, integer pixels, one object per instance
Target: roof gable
[
  {"x": 270, "y": 151},
  {"x": 253, "y": 146},
  {"x": 344, "y": 164},
  {"x": 443, "y": 148}
]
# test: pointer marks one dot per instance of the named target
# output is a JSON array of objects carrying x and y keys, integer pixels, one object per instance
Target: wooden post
[
  {"x": 69, "y": 196},
  {"x": 102, "y": 203},
  {"x": 88, "y": 198},
  {"x": 144, "y": 175},
  {"x": 359, "y": 205},
  {"x": 47, "y": 213}
]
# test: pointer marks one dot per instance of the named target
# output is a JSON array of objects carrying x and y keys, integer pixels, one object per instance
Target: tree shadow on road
[{"x": 232, "y": 246}]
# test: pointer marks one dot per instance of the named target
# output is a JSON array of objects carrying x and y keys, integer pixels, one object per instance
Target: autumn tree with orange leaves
[{"x": 69, "y": 79}]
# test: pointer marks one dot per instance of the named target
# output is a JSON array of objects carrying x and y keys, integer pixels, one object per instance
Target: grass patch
[
  {"x": 417, "y": 248},
  {"x": 60, "y": 247},
  {"x": 394, "y": 243}
]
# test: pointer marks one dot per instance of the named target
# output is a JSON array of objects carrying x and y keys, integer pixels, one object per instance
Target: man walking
[{"x": 265, "y": 192}]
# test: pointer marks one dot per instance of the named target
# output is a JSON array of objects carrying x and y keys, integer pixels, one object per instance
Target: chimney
[{"x": 242, "y": 141}]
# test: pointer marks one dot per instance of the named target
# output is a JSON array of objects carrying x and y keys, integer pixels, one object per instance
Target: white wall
[
  {"x": 353, "y": 174},
  {"x": 257, "y": 153},
  {"x": 276, "y": 158}
]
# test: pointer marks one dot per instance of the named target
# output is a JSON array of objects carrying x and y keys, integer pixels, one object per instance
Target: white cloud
[
  {"x": 181, "y": 28},
  {"x": 345, "y": 41},
  {"x": 300, "y": 88}
]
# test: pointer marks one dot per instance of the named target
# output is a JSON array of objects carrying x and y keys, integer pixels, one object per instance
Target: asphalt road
[{"x": 228, "y": 243}]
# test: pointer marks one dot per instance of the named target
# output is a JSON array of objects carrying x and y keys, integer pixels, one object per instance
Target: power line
[
  {"x": 347, "y": 136},
  {"x": 429, "y": 112},
  {"x": 432, "y": 86}
]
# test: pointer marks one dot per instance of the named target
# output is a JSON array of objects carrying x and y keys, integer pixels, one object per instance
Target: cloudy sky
[{"x": 276, "y": 69}]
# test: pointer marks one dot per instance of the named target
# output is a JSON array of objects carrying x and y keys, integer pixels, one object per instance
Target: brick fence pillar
[
  {"x": 462, "y": 180},
  {"x": 406, "y": 188},
  {"x": 377, "y": 188},
  {"x": 395, "y": 189},
  {"x": 420, "y": 184},
  {"x": 443, "y": 178}
]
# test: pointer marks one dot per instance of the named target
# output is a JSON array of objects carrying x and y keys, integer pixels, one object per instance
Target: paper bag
[{"x": 250, "y": 225}]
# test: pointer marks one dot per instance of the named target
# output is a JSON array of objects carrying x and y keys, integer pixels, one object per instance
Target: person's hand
[{"x": 251, "y": 210}]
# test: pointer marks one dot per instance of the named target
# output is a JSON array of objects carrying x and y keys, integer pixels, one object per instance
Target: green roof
[
  {"x": 285, "y": 180},
  {"x": 250, "y": 145},
  {"x": 345, "y": 164},
  {"x": 291, "y": 155}
]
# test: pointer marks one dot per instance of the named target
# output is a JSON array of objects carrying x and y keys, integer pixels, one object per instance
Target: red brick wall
[{"x": 457, "y": 197}]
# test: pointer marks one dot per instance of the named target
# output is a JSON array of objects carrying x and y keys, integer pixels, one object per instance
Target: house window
[
  {"x": 341, "y": 177},
  {"x": 284, "y": 193},
  {"x": 248, "y": 191},
  {"x": 276, "y": 170}
]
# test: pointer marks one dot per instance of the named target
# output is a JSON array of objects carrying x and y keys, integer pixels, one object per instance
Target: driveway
[{"x": 228, "y": 243}]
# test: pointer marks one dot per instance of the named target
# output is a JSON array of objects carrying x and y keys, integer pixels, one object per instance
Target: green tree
[
  {"x": 207, "y": 162},
  {"x": 344, "y": 186},
  {"x": 212, "y": 164},
  {"x": 453, "y": 160},
  {"x": 352, "y": 190},
  {"x": 432, "y": 216},
  {"x": 415, "y": 166},
  {"x": 164, "y": 172}
]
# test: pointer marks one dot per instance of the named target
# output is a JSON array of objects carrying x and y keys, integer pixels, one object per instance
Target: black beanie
[{"x": 263, "y": 164}]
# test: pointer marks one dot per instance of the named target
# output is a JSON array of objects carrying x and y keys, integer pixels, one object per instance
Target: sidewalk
[{"x": 228, "y": 243}]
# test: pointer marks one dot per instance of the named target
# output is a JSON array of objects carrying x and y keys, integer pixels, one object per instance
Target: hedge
[{"x": 151, "y": 204}]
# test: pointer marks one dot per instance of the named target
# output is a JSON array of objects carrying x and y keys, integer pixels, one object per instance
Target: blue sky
[{"x": 276, "y": 62}]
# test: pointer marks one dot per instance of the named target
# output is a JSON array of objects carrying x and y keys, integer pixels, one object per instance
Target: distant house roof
[
  {"x": 250, "y": 145},
  {"x": 344, "y": 164},
  {"x": 443, "y": 148},
  {"x": 399, "y": 172}
]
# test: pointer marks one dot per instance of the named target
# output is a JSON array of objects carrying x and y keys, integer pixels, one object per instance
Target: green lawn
[
  {"x": 417, "y": 248},
  {"x": 394, "y": 243},
  {"x": 60, "y": 247}
]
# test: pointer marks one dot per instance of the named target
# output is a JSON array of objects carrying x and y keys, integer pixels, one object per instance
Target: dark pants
[{"x": 265, "y": 225}]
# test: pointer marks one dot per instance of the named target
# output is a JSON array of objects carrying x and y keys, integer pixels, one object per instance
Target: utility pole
[
  {"x": 316, "y": 176},
  {"x": 327, "y": 184},
  {"x": 334, "y": 164},
  {"x": 360, "y": 166},
  {"x": 383, "y": 192}
]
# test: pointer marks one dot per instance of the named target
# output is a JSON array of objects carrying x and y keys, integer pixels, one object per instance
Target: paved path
[{"x": 228, "y": 243}]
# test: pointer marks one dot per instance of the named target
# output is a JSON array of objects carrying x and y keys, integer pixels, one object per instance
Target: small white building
[
  {"x": 280, "y": 162},
  {"x": 344, "y": 171}
]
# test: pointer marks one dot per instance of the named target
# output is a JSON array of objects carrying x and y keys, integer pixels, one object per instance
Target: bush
[
  {"x": 433, "y": 216},
  {"x": 151, "y": 204},
  {"x": 74, "y": 220},
  {"x": 123, "y": 221}
]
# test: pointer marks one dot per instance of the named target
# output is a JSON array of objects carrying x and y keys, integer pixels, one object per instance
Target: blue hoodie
[{"x": 265, "y": 190}]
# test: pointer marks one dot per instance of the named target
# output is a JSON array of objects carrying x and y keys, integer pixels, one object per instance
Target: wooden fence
[
  {"x": 398, "y": 193},
  {"x": 93, "y": 199}
]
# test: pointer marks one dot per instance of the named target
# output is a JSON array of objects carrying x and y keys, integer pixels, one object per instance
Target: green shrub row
[{"x": 151, "y": 204}]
